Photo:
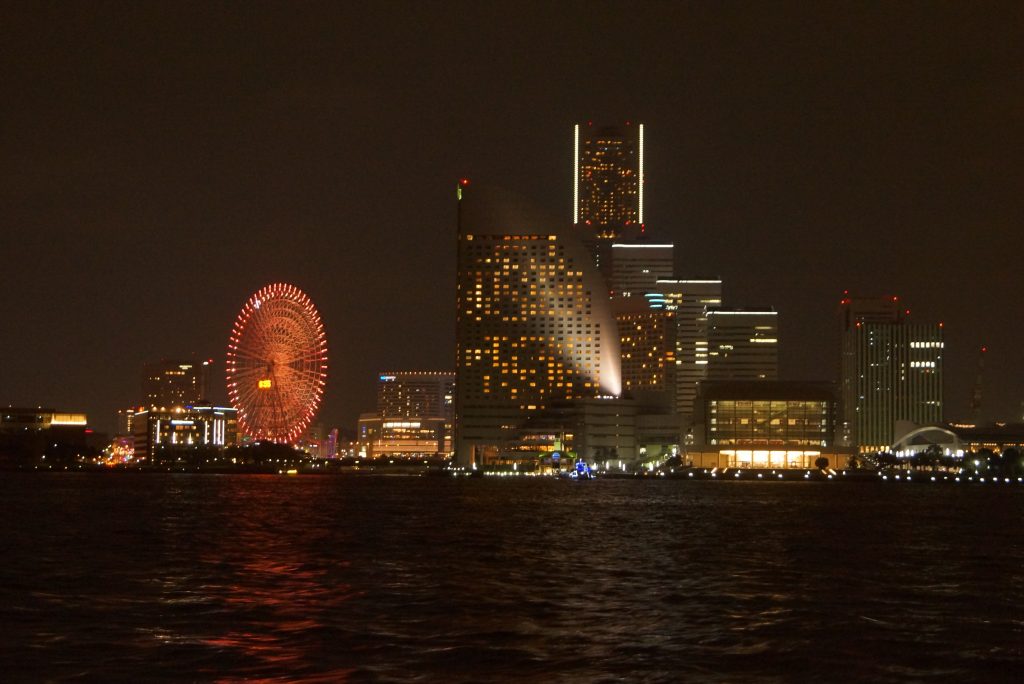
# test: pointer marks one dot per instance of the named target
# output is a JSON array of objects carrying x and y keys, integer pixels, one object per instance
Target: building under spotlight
[{"x": 533, "y": 323}]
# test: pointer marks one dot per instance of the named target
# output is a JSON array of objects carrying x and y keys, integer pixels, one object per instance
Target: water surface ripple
[{"x": 365, "y": 579}]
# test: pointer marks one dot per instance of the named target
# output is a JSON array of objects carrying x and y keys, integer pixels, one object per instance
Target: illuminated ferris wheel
[{"x": 277, "y": 364}]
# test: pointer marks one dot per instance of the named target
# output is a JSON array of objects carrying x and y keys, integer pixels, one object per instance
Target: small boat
[{"x": 580, "y": 471}]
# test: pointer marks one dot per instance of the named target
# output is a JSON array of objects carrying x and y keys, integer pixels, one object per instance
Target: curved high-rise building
[{"x": 533, "y": 323}]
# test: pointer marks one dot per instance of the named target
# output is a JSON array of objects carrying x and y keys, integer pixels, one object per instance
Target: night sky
[{"x": 160, "y": 162}]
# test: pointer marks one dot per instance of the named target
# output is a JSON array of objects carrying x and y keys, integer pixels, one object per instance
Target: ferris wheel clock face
[{"x": 277, "y": 364}]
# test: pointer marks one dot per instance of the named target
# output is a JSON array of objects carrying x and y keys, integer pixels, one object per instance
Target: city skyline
[{"x": 147, "y": 192}]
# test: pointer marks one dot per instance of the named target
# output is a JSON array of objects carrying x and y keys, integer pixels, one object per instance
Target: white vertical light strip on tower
[
  {"x": 576, "y": 176},
  {"x": 641, "y": 188}
]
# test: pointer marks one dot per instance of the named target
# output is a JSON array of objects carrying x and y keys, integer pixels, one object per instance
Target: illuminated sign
[{"x": 264, "y": 384}]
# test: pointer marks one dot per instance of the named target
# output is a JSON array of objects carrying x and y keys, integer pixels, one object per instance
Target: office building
[
  {"x": 742, "y": 344},
  {"x": 608, "y": 204},
  {"x": 636, "y": 267},
  {"x": 891, "y": 370},
  {"x": 170, "y": 383},
  {"x": 533, "y": 323},
  {"x": 608, "y": 178},
  {"x": 689, "y": 301}
]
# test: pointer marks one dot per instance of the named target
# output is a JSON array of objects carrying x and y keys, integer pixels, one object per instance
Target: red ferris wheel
[{"x": 277, "y": 364}]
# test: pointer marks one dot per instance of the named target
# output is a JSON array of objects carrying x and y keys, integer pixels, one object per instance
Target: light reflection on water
[{"x": 379, "y": 579}]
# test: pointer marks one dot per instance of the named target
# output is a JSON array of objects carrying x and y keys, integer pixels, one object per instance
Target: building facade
[
  {"x": 608, "y": 177},
  {"x": 647, "y": 339},
  {"x": 766, "y": 424},
  {"x": 34, "y": 435},
  {"x": 636, "y": 267},
  {"x": 402, "y": 437},
  {"x": 414, "y": 417},
  {"x": 689, "y": 301},
  {"x": 183, "y": 428},
  {"x": 533, "y": 323},
  {"x": 742, "y": 344},
  {"x": 415, "y": 394},
  {"x": 891, "y": 370},
  {"x": 170, "y": 383}
]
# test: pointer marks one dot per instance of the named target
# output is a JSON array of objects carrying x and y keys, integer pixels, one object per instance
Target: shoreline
[{"x": 686, "y": 474}]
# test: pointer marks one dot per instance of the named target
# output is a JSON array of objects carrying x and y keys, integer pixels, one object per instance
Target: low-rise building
[
  {"x": 184, "y": 427},
  {"x": 401, "y": 437},
  {"x": 766, "y": 424}
]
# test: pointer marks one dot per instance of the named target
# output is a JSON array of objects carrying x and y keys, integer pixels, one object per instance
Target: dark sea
[{"x": 145, "y": 577}]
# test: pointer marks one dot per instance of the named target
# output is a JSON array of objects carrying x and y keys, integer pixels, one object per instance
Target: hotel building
[
  {"x": 533, "y": 323},
  {"x": 647, "y": 339},
  {"x": 414, "y": 394},
  {"x": 183, "y": 428},
  {"x": 891, "y": 371},
  {"x": 414, "y": 416},
  {"x": 170, "y": 383}
]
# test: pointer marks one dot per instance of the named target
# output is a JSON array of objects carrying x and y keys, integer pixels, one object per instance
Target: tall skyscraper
[
  {"x": 170, "y": 383},
  {"x": 690, "y": 300},
  {"x": 891, "y": 371},
  {"x": 608, "y": 179},
  {"x": 743, "y": 344},
  {"x": 533, "y": 323},
  {"x": 608, "y": 188}
]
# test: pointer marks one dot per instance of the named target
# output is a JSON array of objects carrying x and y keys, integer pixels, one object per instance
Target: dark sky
[{"x": 161, "y": 162}]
